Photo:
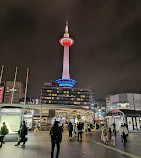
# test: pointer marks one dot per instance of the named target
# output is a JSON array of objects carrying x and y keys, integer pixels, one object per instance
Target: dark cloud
[{"x": 105, "y": 55}]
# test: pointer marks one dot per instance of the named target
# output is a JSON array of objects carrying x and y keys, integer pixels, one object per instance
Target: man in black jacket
[
  {"x": 56, "y": 138},
  {"x": 22, "y": 132},
  {"x": 3, "y": 132}
]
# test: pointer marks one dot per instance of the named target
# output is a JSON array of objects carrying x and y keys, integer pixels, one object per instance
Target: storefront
[
  {"x": 131, "y": 117},
  {"x": 12, "y": 116}
]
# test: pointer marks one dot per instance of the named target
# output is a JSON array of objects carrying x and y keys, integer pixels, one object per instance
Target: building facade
[
  {"x": 65, "y": 96},
  {"x": 131, "y": 101},
  {"x": 17, "y": 94}
]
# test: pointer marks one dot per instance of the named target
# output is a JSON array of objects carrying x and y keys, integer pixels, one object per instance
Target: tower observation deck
[{"x": 66, "y": 42}]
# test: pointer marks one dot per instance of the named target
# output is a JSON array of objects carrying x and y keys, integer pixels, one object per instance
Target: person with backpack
[
  {"x": 56, "y": 138},
  {"x": 22, "y": 133},
  {"x": 3, "y": 132}
]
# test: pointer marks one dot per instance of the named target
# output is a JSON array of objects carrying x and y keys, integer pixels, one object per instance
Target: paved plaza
[{"x": 39, "y": 146}]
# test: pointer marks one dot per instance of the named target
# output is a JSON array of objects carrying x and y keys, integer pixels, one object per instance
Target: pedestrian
[
  {"x": 37, "y": 127},
  {"x": 3, "y": 132},
  {"x": 104, "y": 133},
  {"x": 123, "y": 132},
  {"x": 62, "y": 127},
  {"x": 89, "y": 128},
  {"x": 113, "y": 134},
  {"x": 97, "y": 126},
  {"x": 56, "y": 138},
  {"x": 22, "y": 134},
  {"x": 75, "y": 129},
  {"x": 86, "y": 127},
  {"x": 80, "y": 130},
  {"x": 70, "y": 129},
  {"x": 30, "y": 127}
]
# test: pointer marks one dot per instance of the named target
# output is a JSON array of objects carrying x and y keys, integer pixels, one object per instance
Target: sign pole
[
  {"x": 13, "y": 89},
  {"x": 1, "y": 73}
]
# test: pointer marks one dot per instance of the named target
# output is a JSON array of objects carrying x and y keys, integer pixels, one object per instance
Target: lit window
[
  {"x": 71, "y": 98},
  {"x": 81, "y": 99},
  {"x": 57, "y": 91},
  {"x": 52, "y": 97},
  {"x": 78, "y": 99},
  {"x": 57, "y": 98},
  {"x": 48, "y": 90},
  {"x": 67, "y": 91},
  {"x": 78, "y": 92},
  {"x": 52, "y": 94},
  {"x": 49, "y": 94}
]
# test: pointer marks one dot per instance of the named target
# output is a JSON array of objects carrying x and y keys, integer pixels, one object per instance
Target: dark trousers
[
  {"x": 70, "y": 133},
  {"x": 22, "y": 139},
  {"x": 58, "y": 149},
  {"x": 1, "y": 138},
  {"x": 79, "y": 135},
  {"x": 124, "y": 138}
]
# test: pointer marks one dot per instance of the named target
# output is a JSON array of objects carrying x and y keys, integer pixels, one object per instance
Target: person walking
[
  {"x": 86, "y": 127},
  {"x": 70, "y": 129},
  {"x": 37, "y": 127},
  {"x": 113, "y": 134},
  {"x": 104, "y": 133},
  {"x": 56, "y": 138},
  {"x": 75, "y": 129},
  {"x": 123, "y": 132},
  {"x": 22, "y": 133},
  {"x": 4, "y": 131},
  {"x": 80, "y": 130}
]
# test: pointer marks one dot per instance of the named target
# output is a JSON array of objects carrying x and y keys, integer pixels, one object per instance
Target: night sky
[{"x": 105, "y": 57}]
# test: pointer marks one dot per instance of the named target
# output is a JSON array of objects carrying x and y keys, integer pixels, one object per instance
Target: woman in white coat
[
  {"x": 104, "y": 134},
  {"x": 113, "y": 134}
]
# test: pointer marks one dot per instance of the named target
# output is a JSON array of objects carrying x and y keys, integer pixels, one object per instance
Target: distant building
[
  {"x": 99, "y": 108},
  {"x": 131, "y": 101},
  {"x": 65, "y": 95},
  {"x": 17, "y": 94}
]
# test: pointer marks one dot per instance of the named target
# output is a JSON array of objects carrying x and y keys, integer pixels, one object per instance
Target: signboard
[{"x": 11, "y": 110}]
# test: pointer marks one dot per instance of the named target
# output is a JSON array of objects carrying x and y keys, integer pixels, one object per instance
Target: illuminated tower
[{"x": 66, "y": 41}]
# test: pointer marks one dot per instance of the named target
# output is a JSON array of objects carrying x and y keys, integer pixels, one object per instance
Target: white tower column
[{"x": 66, "y": 74}]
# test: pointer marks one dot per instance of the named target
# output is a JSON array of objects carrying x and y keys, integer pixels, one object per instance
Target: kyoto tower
[{"x": 66, "y": 42}]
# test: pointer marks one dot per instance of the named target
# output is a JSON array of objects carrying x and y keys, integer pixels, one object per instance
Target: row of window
[
  {"x": 60, "y": 98},
  {"x": 65, "y": 92},
  {"x": 64, "y": 102}
]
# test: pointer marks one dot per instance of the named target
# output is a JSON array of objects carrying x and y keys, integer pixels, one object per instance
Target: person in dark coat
[
  {"x": 22, "y": 133},
  {"x": 56, "y": 138},
  {"x": 80, "y": 128},
  {"x": 70, "y": 129},
  {"x": 4, "y": 131}
]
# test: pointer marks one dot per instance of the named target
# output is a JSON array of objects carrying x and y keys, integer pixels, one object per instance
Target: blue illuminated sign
[{"x": 65, "y": 82}]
